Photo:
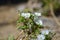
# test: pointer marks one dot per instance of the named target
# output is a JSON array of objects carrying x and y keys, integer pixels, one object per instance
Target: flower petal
[{"x": 40, "y": 37}]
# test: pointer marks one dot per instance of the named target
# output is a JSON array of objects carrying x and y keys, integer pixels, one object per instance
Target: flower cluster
[
  {"x": 45, "y": 35},
  {"x": 25, "y": 15},
  {"x": 30, "y": 20},
  {"x": 32, "y": 25},
  {"x": 40, "y": 37}
]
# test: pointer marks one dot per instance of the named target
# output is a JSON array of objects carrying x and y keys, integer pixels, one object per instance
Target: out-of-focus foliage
[
  {"x": 46, "y": 7},
  {"x": 11, "y": 37},
  {"x": 55, "y": 3}
]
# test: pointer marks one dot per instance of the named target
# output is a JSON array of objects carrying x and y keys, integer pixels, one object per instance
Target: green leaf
[
  {"x": 40, "y": 26},
  {"x": 21, "y": 19},
  {"x": 22, "y": 27},
  {"x": 33, "y": 36},
  {"x": 30, "y": 21},
  {"x": 37, "y": 31},
  {"x": 47, "y": 37}
]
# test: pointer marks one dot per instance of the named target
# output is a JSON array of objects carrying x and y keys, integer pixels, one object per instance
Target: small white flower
[
  {"x": 37, "y": 14},
  {"x": 38, "y": 21},
  {"x": 45, "y": 32},
  {"x": 25, "y": 15},
  {"x": 40, "y": 37}
]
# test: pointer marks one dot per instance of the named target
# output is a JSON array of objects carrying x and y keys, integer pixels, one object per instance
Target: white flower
[
  {"x": 25, "y": 15},
  {"x": 40, "y": 37},
  {"x": 37, "y": 14},
  {"x": 45, "y": 32},
  {"x": 38, "y": 21}
]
